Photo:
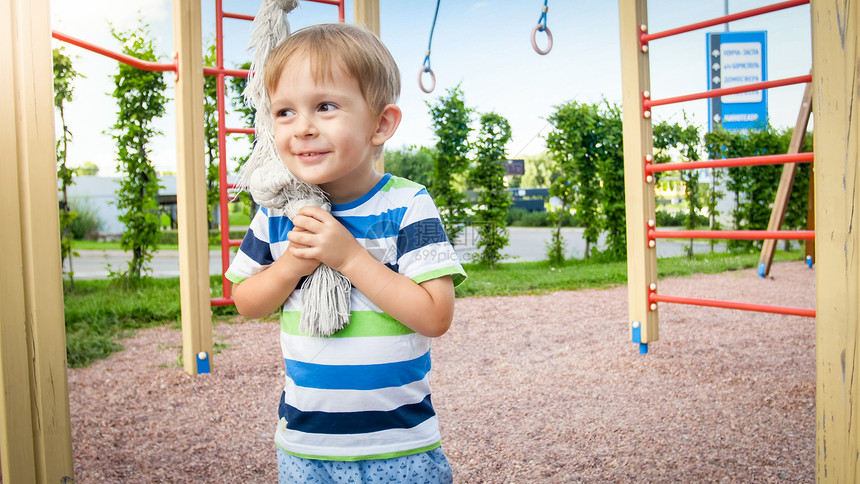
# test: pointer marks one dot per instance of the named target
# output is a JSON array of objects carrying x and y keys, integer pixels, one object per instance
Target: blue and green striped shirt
[{"x": 364, "y": 392}]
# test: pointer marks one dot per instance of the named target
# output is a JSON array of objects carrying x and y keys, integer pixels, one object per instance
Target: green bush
[{"x": 87, "y": 224}]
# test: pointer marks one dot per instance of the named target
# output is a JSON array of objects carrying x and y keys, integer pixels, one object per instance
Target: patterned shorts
[{"x": 427, "y": 468}]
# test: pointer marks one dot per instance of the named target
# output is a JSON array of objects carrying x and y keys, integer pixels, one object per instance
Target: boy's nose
[{"x": 305, "y": 127}]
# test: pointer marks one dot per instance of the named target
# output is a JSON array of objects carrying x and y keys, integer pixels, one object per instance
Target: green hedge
[
  {"x": 171, "y": 237},
  {"x": 679, "y": 219},
  {"x": 518, "y": 217}
]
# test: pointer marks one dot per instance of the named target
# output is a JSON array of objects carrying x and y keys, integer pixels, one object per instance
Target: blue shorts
[{"x": 426, "y": 468}]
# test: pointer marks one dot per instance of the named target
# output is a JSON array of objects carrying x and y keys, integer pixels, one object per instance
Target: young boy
[{"x": 357, "y": 404}]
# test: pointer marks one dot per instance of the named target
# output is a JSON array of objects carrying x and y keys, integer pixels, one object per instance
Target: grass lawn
[{"x": 100, "y": 312}]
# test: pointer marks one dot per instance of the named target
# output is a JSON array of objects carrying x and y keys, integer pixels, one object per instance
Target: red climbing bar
[
  {"x": 731, "y": 162},
  {"x": 222, "y": 148},
  {"x": 341, "y": 13},
  {"x": 733, "y": 234},
  {"x": 645, "y": 37},
  {"x": 763, "y": 308},
  {"x": 214, "y": 71},
  {"x": 124, "y": 58},
  {"x": 240, "y": 131},
  {"x": 647, "y": 103},
  {"x": 222, "y": 301},
  {"x": 240, "y": 16}
]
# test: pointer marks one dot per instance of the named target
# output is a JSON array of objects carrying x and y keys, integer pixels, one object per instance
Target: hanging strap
[
  {"x": 541, "y": 27},
  {"x": 426, "y": 66}
]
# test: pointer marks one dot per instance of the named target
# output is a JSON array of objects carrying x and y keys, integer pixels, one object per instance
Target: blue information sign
[{"x": 737, "y": 59}]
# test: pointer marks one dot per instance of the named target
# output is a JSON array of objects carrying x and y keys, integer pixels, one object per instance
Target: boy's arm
[
  {"x": 426, "y": 308},
  {"x": 261, "y": 294}
]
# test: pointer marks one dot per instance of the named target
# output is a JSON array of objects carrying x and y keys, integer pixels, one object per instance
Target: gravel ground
[{"x": 528, "y": 389}]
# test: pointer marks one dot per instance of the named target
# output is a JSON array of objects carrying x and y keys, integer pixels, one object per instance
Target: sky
[{"x": 481, "y": 46}]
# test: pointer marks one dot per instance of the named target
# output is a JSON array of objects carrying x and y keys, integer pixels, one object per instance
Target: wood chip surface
[{"x": 544, "y": 388}]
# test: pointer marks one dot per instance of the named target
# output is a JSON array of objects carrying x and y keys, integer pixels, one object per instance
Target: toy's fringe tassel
[{"x": 326, "y": 292}]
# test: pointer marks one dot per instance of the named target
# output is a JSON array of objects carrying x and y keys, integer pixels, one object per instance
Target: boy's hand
[
  {"x": 300, "y": 265},
  {"x": 323, "y": 238}
]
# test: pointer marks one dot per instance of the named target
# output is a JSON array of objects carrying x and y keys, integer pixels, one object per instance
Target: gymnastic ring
[
  {"x": 421, "y": 80},
  {"x": 548, "y": 36}
]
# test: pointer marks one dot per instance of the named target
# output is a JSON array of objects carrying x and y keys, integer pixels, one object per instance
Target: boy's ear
[{"x": 387, "y": 123}]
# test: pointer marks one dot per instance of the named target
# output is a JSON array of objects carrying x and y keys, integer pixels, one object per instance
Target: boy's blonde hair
[{"x": 356, "y": 50}]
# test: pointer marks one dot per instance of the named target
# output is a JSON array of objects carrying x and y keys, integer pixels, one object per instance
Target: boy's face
[{"x": 325, "y": 132}]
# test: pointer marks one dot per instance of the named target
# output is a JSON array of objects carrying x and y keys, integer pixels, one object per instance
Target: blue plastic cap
[
  {"x": 202, "y": 362},
  {"x": 643, "y": 348},
  {"x": 761, "y": 268}
]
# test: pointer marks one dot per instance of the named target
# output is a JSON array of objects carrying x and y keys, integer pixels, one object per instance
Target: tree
[
  {"x": 753, "y": 187},
  {"x": 140, "y": 100},
  {"x": 64, "y": 74},
  {"x": 608, "y": 150},
  {"x": 87, "y": 169},
  {"x": 416, "y": 164},
  {"x": 451, "y": 119},
  {"x": 488, "y": 176},
  {"x": 578, "y": 185},
  {"x": 685, "y": 140},
  {"x": 539, "y": 171}
]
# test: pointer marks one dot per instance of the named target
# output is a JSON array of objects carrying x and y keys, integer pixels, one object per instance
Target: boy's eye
[
  {"x": 282, "y": 113},
  {"x": 326, "y": 107}
]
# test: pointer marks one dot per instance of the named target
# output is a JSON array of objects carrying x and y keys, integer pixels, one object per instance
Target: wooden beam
[
  {"x": 786, "y": 181},
  {"x": 836, "y": 102},
  {"x": 191, "y": 187},
  {"x": 35, "y": 430},
  {"x": 366, "y": 14},
  {"x": 638, "y": 142}
]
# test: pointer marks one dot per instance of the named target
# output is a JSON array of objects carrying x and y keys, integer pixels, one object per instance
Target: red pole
[
  {"x": 214, "y": 71},
  {"x": 733, "y": 234},
  {"x": 124, "y": 58},
  {"x": 240, "y": 16},
  {"x": 764, "y": 308},
  {"x": 222, "y": 149},
  {"x": 645, "y": 37},
  {"x": 647, "y": 103},
  {"x": 731, "y": 162}
]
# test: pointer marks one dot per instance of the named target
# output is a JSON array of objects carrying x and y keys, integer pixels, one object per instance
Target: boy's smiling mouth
[{"x": 310, "y": 156}]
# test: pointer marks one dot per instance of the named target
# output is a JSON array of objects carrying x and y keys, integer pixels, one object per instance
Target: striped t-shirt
[{"x": 364, "y": 392}]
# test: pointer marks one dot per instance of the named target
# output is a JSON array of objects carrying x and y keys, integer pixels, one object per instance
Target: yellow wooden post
[
  {"x": 191, "y": 188},
  {"x": 836, "y": 104},
  {"x": 35, "y": 432},
  {"x": 366, "y": 14},
  {"x": 639, "y": 193}
]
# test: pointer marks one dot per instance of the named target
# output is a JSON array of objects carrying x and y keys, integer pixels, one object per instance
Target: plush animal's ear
[{"x": 386, "y": 124}]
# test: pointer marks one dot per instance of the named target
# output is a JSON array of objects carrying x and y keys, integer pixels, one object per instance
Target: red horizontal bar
[
  {"x": 214, "y": 71},
  {"x": 240, "y": 16},
  {"x": 764, "y": 308},
  {"x": 124, "y": 58},
  {"x": 731, "y": 162},
  {"x": 645, "y": 37},
  {"x": 235, "y": 242},
  {"x": 647, "y": 103},
  {"x": 733, "y": 234},
  {"x": 222, "y": 301},
  {"x": 240, "y": 131}
]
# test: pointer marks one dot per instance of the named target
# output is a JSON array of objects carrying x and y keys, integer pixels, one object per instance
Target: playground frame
[{"x": 35, "y": 434}]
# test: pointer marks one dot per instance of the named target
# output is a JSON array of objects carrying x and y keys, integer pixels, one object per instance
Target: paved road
[{"x": 526, "y": 244}]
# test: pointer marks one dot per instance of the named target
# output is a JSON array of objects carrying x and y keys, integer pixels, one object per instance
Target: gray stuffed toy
[{"x": 326, "y": 292}]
